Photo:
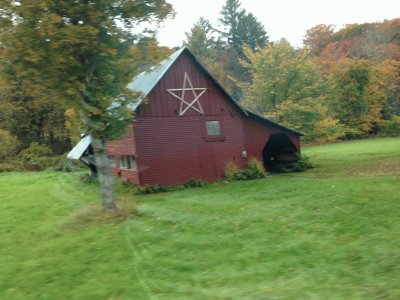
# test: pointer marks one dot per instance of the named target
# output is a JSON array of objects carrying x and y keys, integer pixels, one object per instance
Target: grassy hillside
[{"x": 329, "y": 233}]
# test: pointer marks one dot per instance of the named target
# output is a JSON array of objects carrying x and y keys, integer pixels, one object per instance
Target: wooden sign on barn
[{"x": 190, "y": 127}]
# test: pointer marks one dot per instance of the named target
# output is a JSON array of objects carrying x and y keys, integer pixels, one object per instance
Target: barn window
[
  {"x": 111, "y": 159},
  {"x": 122, "y": 162},
  {"x": 131, "y": 162},
  {"x": 213, "y": 128}
]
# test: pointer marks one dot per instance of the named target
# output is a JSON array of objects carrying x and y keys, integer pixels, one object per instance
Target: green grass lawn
[{"x": 329, "y": 233}]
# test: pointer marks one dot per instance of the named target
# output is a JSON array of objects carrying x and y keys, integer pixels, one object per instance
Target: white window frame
[
  {"x": 131, "y": 163},
  {"x": 122, "y": 162},
  {"x": 211, "y": 125}
]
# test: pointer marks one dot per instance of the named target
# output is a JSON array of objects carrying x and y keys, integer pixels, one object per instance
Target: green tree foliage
[
  {"x": 9, "y": 145},
  {"x": 31, "y": 115},
  {"x": 240, "y": 28},
  {"x": 392, "y": 127},
  {"x": 311, "y": 117},
  {"x": 351, "y": 31},
  {"x": 288, "y": 87},
  {"x": 349, "y": 101},
  {"x": 201, "y": 40},
  {"x": 146, "y": 52},
  {"x": 279, "y": 73},
  {"x": 74, "y": 125},
  {"x": 386, "y": 84},
  {"x": 79, "y": 50}
]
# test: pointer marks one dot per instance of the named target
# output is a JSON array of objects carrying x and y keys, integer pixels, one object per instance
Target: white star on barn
[{"x": 180, "y": 95}]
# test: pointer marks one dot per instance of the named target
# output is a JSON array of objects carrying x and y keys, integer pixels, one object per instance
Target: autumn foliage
[{"x": 340, "y": 85}]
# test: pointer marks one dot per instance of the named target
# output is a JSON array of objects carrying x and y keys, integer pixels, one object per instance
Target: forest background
[{"x": 342, "y": 84}]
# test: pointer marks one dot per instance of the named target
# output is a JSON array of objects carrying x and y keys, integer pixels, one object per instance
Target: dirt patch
[{"x": 93, "y": 215}]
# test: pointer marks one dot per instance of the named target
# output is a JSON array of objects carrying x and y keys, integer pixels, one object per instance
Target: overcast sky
[{"x": 281, "y": 18}]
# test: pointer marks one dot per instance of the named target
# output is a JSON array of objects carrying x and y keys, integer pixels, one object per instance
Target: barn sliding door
[{"x": 207, "y": 162}]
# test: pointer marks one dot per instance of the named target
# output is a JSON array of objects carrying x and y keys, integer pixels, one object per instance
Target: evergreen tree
[
  {"x": 240, "y": 28},
  {"x": 210, "y": 51},
  {"x": 200, "y": 39}
]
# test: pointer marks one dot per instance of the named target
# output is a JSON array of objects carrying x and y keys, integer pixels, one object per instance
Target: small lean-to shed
[{"x": 188, "y": 127}]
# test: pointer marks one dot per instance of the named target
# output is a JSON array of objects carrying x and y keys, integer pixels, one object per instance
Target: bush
[
  {"x": 232, "y": 171},
  {"x": 8, "y": 146},
  {"x": 392, "y": 127},
  {"x": 302, "y": 164},
  {"x": 155, "y": 188},
  {"x": 36, "y": 157},
  {"x": 194, "y": 183},
  {"x": 63, "y": 164},
  {"x": 255, "y": 170},
  {"x": 39, "y": 157},
  {"x": 151, "y": 189},
  {"x": 35, "y": 151},
  {"x": 7, "y": 167},
  {"x": 88, "y": 179}
]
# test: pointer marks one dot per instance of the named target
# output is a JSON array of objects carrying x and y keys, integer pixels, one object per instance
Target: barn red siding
[
  {"x": 173, "y": 150},
  {"x": 257, "y": 135},
  {"x": 126, "y": 175},
  {"x": 124, "y": 146}
]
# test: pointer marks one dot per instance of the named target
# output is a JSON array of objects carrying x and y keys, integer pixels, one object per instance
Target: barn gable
[{"x": 171, "y": 74}]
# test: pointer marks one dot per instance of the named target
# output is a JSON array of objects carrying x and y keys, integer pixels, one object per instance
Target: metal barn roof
[{"x": 146, "y": 81}]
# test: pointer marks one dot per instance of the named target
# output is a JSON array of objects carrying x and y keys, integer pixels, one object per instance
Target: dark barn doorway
[{"x": 279, "y": 153}]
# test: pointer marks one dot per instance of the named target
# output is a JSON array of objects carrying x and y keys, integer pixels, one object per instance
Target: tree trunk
[{"x": 106, "y": 179}]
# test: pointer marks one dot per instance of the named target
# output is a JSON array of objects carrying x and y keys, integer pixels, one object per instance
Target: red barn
[{"x": 190, "y": 127}]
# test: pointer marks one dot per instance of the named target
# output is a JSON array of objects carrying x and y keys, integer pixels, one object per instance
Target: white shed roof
[{"x": 80, "y": 148}]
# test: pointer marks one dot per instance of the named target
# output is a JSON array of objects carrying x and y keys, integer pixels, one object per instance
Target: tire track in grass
[
  {"x": 137, "y": 255},
  {"x": 136, "y": 230},
  {"x": 67, "y": 193},
  {"x": 179, "y": 231}
]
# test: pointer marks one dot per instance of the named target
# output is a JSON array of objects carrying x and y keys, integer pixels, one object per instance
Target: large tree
[
  {"x": 32, "y": 116},
  {"x": 279, "y": 73},
  {"x": 348, "y": 96},
  {"x": 288, "y": 87},
  {"x": 78, "y": 50},
  {"x": 240, "y": 28},
  {"x": 200, "y": 39},
  {"x": 317, "y": 37}
]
